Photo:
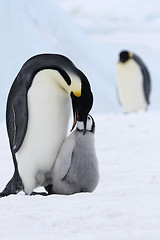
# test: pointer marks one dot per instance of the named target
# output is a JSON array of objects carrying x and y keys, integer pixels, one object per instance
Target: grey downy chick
[{"x": 76, "y": 168}]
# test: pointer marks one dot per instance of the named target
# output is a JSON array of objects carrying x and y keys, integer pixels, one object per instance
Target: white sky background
[
  {"x": 90, "y": 33},
  {"x": 105, "y": 20}
]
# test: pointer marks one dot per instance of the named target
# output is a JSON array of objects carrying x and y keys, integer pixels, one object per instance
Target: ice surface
[{"x": 126, "y": 203}]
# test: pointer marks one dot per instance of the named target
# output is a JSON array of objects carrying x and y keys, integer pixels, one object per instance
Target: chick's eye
[{"x": 89, "y": 118}]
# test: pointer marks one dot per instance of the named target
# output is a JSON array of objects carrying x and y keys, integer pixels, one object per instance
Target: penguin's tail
[{"x": 14, "y": 186}]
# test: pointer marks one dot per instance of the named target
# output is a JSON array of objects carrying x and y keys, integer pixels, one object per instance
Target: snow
[{"x": 126, "y": 203}]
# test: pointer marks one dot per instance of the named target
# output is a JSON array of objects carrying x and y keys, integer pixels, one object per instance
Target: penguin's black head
[
  {"x": 90, "y": 124},
  {"x": 124, "y": 56},
  {"x": 82, "y": 104}
]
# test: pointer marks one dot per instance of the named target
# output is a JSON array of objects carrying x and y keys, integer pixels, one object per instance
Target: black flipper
[
  {"x": 146, "y": 77},
  {"x": 17, "y": 115},
  {"x": 16, "y": 120}
]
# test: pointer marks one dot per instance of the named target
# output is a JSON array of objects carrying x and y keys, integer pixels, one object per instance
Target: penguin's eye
[{"x": 89, "y": 118}]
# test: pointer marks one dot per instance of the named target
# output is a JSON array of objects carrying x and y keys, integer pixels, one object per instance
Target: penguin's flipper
[
  {"x": 65, "y": 155},
  {"x": 146, "y": 77},
  {"x": 63, "y": 161},
  {"x": 17, "y": 115},
  {"x": 16, "y": 121},
  {"x": 146, "y": 85}
]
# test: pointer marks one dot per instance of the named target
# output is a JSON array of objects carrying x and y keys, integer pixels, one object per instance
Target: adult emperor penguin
[
  {"x": 37, "y": 116},
  {"x": 133, "y": 82},
  {"x": 76, "y": 167}
]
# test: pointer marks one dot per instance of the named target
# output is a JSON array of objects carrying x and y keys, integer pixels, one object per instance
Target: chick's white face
[{"x": 89, "y": 125}]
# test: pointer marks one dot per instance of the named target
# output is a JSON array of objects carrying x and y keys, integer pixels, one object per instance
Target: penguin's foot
[
  {"x": 49, "y": 189},
  {"x": 14, "y": 186},
  {"x": 39, "y": 193}
]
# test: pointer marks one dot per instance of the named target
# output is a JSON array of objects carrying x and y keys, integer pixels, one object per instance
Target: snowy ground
[{"x": 126, "y": 203}]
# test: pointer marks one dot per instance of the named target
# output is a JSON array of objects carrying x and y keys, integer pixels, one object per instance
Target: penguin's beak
[
  {"x": 74, "y": 118},
  {"x": 75, "y": 109},
  {"x": 81, "y": 106},
  {"x": 122, "y": 60}
]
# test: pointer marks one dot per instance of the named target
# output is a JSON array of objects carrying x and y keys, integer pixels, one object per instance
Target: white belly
[
  {"x": 130, "y": 86},
  {"x": 49, "y": 110}
]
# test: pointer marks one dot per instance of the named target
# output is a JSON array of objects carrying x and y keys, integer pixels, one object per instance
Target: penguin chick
[{"x": 76, "y": 167}]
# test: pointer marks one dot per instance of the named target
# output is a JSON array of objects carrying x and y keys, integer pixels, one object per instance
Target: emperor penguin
[
  {"x": 37, "y": 117},
  {"x": 133, "y": 82},
  {"x": 76, "y": 167}
]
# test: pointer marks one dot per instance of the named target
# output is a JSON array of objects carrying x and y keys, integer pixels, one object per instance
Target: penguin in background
[
  {"x": 76, "y": 167},
  {"x": 133, "y": 82},
  {"x": 37, "y": 117}
]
